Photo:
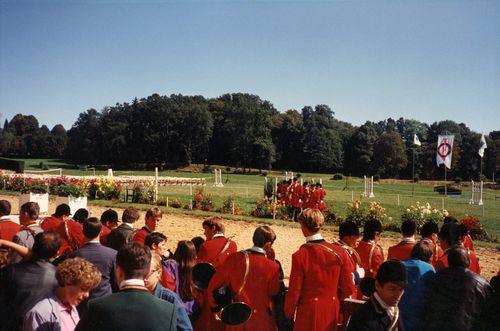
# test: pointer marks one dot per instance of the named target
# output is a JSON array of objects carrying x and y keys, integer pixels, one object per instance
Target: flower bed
[
  {"x": 476, "y": 230},
  {"x": 423, "y": 213}
]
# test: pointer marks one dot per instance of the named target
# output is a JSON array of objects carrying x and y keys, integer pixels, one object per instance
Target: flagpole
[
  {"x": 481, "y": 169},
  {"x": 413, "y": 174},
  {"x": 445, "y": 186}
]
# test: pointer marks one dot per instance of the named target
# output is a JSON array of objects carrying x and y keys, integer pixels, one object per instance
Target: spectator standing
[
  {"x": 402, "y": 250},
  {"x": 75, "y": 277},
  {"x": 419, "y": 272},
  {"x": 450, "y": 235},
  {"x": 185, "y": 256},
  {"x": 429, "y": 234},
  {"x": 102, "y": 257},
  {"x": 456, "y": 297},
  {"x": 152, "y": 220},
  {"x": 125, "y": 232},
  {"x": 157, "y": 242},
  {"x": 153, "y": 285},
  {"x": 8, "y": 229},
  {"x": 133, "y": 307},
  {"x": 380, "y": 312},
  {"x": 23, "y": 284},
  {"x": 28, "y": 216},
  {"x": 109, "y": 220}
]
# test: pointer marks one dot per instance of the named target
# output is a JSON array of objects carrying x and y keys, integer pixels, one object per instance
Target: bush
[
  {"x": 227, "y": 206},
  {"x": 452, "y": 190},
  {"x": 14, "y": 165},
  {"x": 104, "y": 188},
  {"x": 476, "y": 230},
  {"x": 64, "y": 187},
  {"x": 202, "y": 201},
  {"x": 376, "y": 178},
  {"x": 176, "y": 203},
  {"x": 417, "y": 178},
  {"x": 423, "y": 213},
  {"x": 338, "y": 176},
  {"x": 458, "y": 180},
  {"x": 144, "y": 192}
]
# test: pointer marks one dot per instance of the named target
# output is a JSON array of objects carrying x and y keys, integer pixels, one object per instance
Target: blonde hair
[
  {"x": 312, "y": 219},
  {"x": 78, "y": 271}
]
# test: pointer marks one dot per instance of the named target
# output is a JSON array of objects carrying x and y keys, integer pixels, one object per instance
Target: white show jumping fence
[
  {"x": 368, "y": 191},
  {"x": 476, "y": 193}
]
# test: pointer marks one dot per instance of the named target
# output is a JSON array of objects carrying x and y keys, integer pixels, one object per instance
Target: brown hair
[
  {"x": 154, "y": 212},
  {"x": 32, "y": 209},
  {"x": 185, "y": 255},
  {"x": 312, "y": 219},
  {"x": 78, "y": 271},
  {"x": 262, "y": 235},
  {"x": 214, "y": 222},
  {"x": 130, "y": 215}
]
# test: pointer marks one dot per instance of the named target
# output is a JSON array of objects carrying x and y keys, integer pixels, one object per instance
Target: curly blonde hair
[{"x": 78, "y": 271}]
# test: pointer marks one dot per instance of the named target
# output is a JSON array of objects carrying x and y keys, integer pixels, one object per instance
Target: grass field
[{"x": 395, "y": 196}]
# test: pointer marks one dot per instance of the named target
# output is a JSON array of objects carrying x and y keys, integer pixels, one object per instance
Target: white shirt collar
[
  {"x": 130, "y": 225},
  {"x": 3, "y": 218},
  {"x": 132, "y": 282},
  {"x": 94, "y": 241},
  {"x": 258, "y": 250},
  {"x": 218, "y": 235},
  {"x": 390, "y": 310},
  {"x": 408, "y": 240},
  {"x": 316, "y": 236}
]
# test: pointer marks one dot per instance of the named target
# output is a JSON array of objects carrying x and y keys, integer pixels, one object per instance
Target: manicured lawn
[{"x": 248, "y": 189}]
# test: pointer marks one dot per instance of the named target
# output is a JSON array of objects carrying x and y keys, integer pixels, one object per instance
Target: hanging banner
[{"x": 444, "y": 150}]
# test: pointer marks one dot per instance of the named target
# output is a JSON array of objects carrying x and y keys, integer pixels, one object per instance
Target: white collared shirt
[
  {"x": 316, "y": 236},
  {"x": 390, "y": 310},
  {"x": 130, "y": 225},
  {"x": 217, "y": 235},
  {"x": 132, "y": 282},
  {"x": 5, "y": 218},
  {"x": 258, "y": 250},
  {"x": 408, "y": 240}
]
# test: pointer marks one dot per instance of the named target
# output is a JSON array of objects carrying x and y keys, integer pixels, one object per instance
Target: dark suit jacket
[
  {"x": 371, "y": 317},
  {"x": 120, "y": 236},
  {"x": 22, "y": 285},
  {"x": 129, "y": 310},
  {"x": 104, "y": 259}
]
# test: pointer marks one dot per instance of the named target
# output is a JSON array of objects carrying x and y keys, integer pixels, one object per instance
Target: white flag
[
  {"x": 416, "y": 141},
  {"x": 444, "y": 150},
  {"x": 483, "y": 146}
]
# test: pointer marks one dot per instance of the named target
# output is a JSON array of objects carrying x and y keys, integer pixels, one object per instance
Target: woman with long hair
[{"x": 185, "y": 256}]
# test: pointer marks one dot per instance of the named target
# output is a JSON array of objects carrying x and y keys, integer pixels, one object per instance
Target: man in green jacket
[{"x": 133, "y": 307}]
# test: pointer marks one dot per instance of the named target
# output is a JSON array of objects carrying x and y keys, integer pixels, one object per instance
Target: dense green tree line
[{"x": 245, "y": 131}]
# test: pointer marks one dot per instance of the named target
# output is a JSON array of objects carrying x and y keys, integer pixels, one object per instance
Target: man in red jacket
[
  {"x": 321, "y": 277},
  {"x": 8, "y": 229},
  {"x": 429, "y": 234},
  {"x": 370, "y": 252},
  {"x": 152, "y": 220},
  {"x": 295, "y": 195},
  {"x": 71, "y": 232},
  {"x": 215, "y": 251},
  {"x": 254, "y": 284},
  {"x": 402, "y": 250}
]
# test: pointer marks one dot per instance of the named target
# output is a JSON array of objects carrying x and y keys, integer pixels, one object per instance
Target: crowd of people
[
  {"x": 83, "y": 273},
  {"x": 296, "y": 196}
]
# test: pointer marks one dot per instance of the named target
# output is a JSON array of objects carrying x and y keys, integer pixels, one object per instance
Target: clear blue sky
[{"x": 368, "y": 60}]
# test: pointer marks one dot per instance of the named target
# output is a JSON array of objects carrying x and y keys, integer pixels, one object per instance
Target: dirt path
[{"x": 289, "y": 238}]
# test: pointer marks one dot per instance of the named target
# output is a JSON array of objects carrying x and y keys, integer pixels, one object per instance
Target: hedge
[{"x": 9, "y": 164}]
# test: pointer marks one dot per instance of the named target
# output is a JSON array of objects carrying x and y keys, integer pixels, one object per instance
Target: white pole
[
  {"x": 60, "y": 171},
  {"x": 233, "y": 206},
  {"x": 442, "y": 203},
  {"x": 398, "y": 199},
  {"x": 481, "y": 195},
  {"x": 321, "y": 181},
  {"x": 191, "y": 189},
  {"x": 167, "y": 202},
  {"x": 156, "y": 184},
  {"x": 352, "y": 196}
]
